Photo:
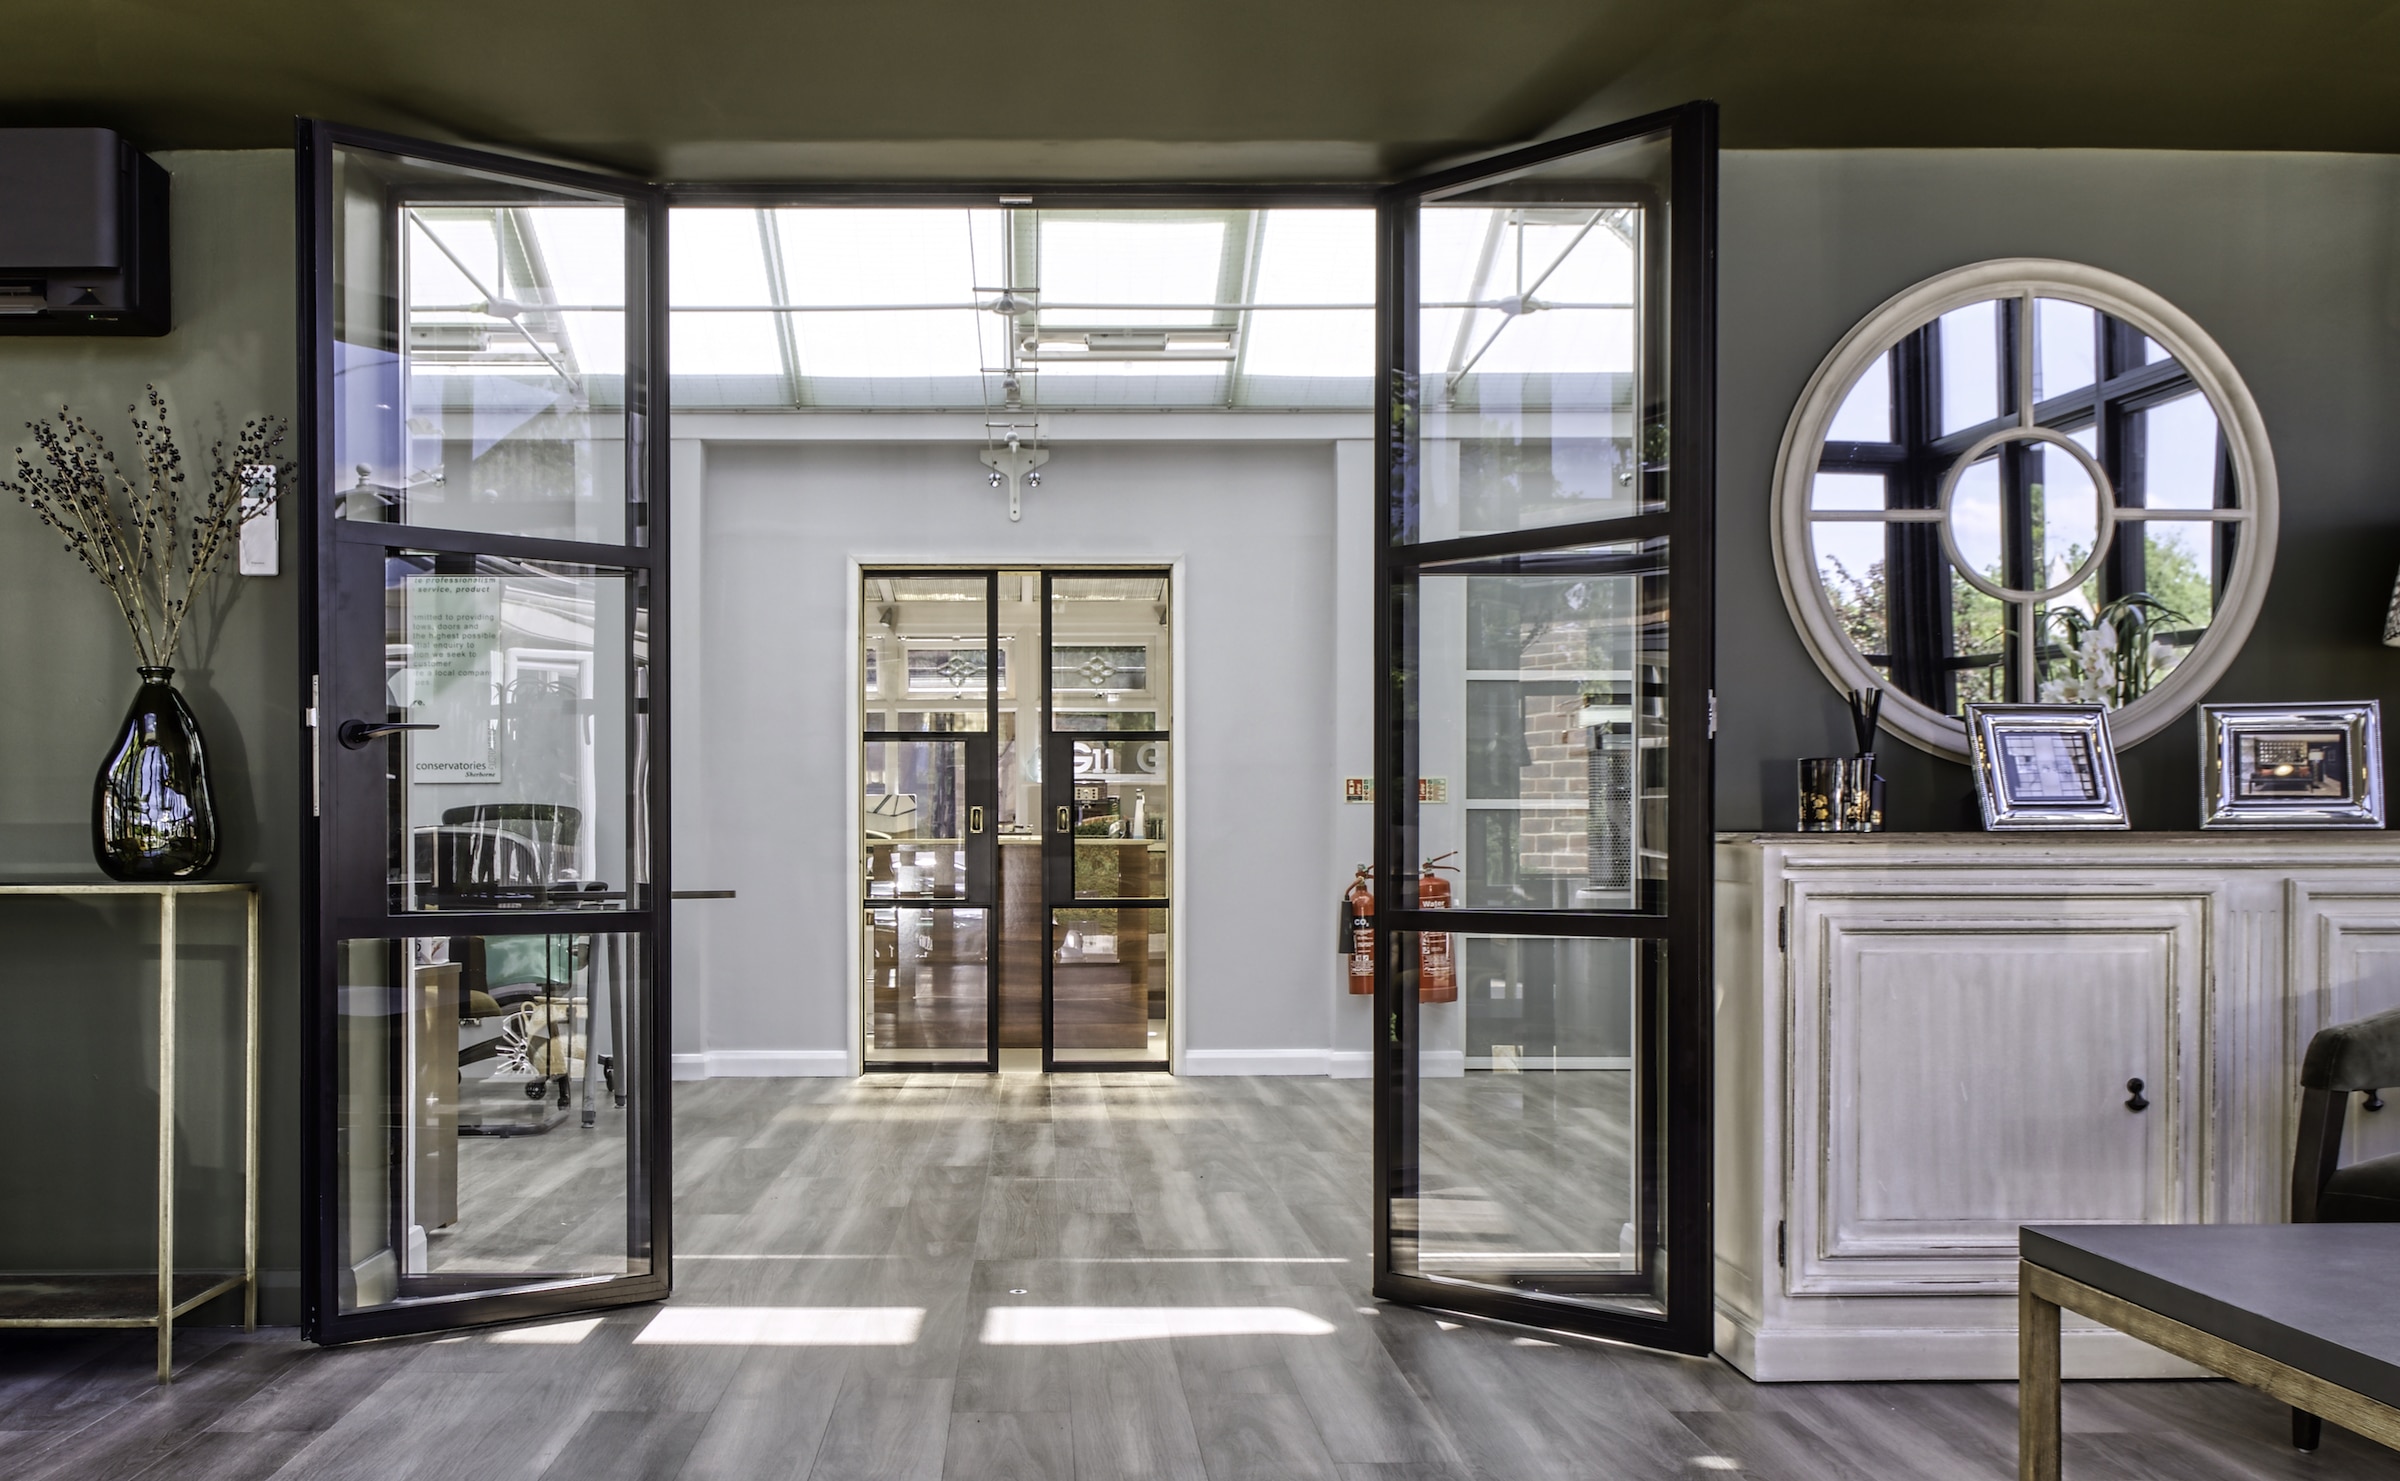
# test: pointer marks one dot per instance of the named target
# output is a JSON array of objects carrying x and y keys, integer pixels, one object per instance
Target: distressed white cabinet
[{"x": 1925, "y": 1040}]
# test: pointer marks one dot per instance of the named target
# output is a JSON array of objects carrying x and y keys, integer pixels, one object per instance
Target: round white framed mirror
[{"x": 2025, "y": 480}]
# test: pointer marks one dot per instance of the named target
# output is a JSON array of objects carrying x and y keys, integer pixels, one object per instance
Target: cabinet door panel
[
  {"x": 1967, "y": 1060},
  {"x": 2348, "y": 944}
]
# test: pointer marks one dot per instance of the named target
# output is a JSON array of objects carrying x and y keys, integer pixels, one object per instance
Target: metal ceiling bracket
[{"x": 1016, "y": 464}]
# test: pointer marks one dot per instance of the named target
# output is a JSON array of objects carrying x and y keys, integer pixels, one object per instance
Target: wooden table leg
[{"x": 2037, "y": 1385}]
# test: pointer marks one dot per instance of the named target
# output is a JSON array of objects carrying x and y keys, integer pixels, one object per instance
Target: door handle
[
  {"x": 974, "y": 820},
  {"x": 354, "y": 734},
  {"x": 1063, "y": 825}
]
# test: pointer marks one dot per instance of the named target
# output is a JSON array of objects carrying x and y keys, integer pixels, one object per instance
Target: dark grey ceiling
[{"x": 1237, "y": 89}]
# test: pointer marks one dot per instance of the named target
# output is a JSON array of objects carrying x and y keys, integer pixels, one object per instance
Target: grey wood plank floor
[{"x": 977, "y": 1216}]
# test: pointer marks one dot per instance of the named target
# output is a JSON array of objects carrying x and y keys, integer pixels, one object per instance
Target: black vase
[{"x": 151, "y": 815}]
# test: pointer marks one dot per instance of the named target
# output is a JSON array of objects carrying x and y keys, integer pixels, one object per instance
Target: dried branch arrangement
[{"x": 153, "y": 538}]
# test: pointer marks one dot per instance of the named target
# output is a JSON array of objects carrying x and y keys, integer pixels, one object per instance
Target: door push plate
[
  {"x": 974, "y": 820},
  {"x": 1063, "y": 825}
]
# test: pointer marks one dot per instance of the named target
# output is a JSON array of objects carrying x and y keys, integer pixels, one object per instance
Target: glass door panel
[
  {"x": 513, "y": 785},
  {"x": 1108, "y": 846},
  {"x": 933, "y": 675},
  {"x": 1543, "y": 785},
  {"x": 918, "y": 815},
  {"x": 1543, "y": 700},
  {"x": 483, "y": 1145},
  {"x": 480, "y": 339},
  {"x": 487, "y": 710},
  {"x": 929, "y": 987}
]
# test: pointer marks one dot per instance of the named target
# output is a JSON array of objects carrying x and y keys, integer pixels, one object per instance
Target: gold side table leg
[
  {"x": 166, "y": 1134},
  {"x": 2037, "y": 1384},
  {"x": 250, "y": 1120}
]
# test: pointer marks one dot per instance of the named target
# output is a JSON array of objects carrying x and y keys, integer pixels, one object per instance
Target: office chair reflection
[{"x": 519, "y": 1015}]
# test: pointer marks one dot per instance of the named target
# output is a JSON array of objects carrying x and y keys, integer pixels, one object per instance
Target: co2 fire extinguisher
[
  {"x": 1356, "y": 941},
  {"x": 1437, "y": 964}
]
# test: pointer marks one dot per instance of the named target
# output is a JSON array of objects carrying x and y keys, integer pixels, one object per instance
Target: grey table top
[{"x": 2322, "y": 1298}]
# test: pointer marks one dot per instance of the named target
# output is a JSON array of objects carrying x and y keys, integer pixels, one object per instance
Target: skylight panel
[
  {"x": 582, "y": 250},
  {"x": 1140, "y": 263},
  {"x": 917, "y": 256},
  {"x": 434, "y": 280},
  {"x": 718, "y": 256},
  {"x": 1313, "y": 257}
]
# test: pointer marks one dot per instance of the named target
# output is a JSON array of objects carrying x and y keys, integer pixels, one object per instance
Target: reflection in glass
[
  {"x": 1866, "y": 413},
  {"x": 2065, "y": 512},
  {"x": 490, "y": 1095},
  {"x": 1122, "y": 792},
  {"x": 2066, "y": 347},
  {"x": 2179, "y": 451},
  {"x": 479, "y": 352},
  {"x": 928, "y": 993},
  {"x": 915, "y": 813},
  {"x": 1108, "y": 984},
  {"x": 1547, "y": 696},
  {"x": 924, "y": 663},
  {"x": 1539, "y": 374},
  {"x": 1850, "y": 565},
  {"x": 1969, "y": 341},
  {"x": 526, "y": 791},
  {"x": 1847, "y": 491},
  {"x": 1976, "y": 522},
  {"x": 2028, "y": 515},
  {"x": 1532, "y": 1167}
]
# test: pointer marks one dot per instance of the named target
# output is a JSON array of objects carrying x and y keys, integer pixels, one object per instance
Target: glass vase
[{"x": 151, "y": 814}]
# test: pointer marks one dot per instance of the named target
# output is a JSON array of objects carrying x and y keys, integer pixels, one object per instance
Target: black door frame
[
  {"x": 339, "y": 902},
  {"x": 983, "y": 790},
  {"x": 1058, "y": 837},
  {"x": 1682, "y": 1113}
]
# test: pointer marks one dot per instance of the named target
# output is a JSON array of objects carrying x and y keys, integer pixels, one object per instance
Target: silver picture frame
[
  {"x": 2045, "y": 767},
  {"x": 2291, "y": 766}
]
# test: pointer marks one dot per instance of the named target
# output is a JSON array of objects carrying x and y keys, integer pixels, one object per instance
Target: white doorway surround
[{"x": 1266, "y": 523}]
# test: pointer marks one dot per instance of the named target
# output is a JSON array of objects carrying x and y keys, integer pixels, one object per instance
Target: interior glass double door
[{"x": 1016, "y": 812}]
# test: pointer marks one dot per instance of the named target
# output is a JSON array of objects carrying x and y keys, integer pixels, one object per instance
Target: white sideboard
[{"x": 1923, "y": 1041}]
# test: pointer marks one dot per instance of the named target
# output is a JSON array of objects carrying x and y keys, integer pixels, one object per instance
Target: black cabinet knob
[
  {"x": 2134, "y": 1102},
  {"x": 2374, "y": 1101}
]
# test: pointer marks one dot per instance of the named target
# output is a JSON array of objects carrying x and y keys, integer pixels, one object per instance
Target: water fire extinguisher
[
  {"x": 1357, "y": 939},
  {"x": 1437, "y": 962}
]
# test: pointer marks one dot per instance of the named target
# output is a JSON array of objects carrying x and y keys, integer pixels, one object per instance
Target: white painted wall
[{"x": 1275, "y": 631}]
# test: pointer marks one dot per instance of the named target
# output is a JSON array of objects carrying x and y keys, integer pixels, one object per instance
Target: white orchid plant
[{"x": 2113, "y": 654}]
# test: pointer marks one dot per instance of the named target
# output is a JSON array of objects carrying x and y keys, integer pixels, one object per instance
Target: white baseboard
[
  {"x": 715, "y": 1064},
  {"x": 1441, "y": 1064},
  {"x": 1978, "y": 1354},
  {"x": 1255, "y": 1062},
  {"x": 1350, "y": 1064}
]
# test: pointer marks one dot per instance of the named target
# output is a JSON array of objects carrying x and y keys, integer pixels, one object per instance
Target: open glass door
[
  {"x": 1543, "y": 779},
  {"x": 484, "y": 456}
]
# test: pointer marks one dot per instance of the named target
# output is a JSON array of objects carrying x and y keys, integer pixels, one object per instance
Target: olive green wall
[
  {"x": 77, "y": 1062},
  {"x": 2290, "y": 261}
]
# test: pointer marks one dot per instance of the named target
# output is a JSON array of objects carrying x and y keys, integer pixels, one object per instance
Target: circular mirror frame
[{"x": 2245, "y": 433}]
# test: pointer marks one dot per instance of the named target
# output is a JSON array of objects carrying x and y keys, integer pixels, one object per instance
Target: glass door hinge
[{"x": 1712, "y": 714}]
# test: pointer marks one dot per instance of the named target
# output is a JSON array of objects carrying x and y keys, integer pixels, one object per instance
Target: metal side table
[{"x": 133, "y": 1300}]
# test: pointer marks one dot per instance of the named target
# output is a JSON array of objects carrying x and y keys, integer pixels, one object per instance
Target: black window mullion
[{"x": 1915, "y": 573}]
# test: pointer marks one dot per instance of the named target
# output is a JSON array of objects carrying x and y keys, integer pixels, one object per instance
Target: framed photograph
[
  {"x": 2045, "y": 766},
  {"x": 2291, "y": 766}
]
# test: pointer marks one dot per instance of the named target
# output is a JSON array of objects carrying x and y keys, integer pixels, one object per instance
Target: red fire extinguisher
[
  {"x": 1358, "y": 932},
  {"x": 1437, "y": 962}
]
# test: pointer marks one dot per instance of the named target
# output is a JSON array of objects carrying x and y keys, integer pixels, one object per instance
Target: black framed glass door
[
  {"x": 482, "y": 435},
  {"x": 1108, "y": 820},
  {"x": 936, "y": 688},
  {"x": 1543, "y": 792}
]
